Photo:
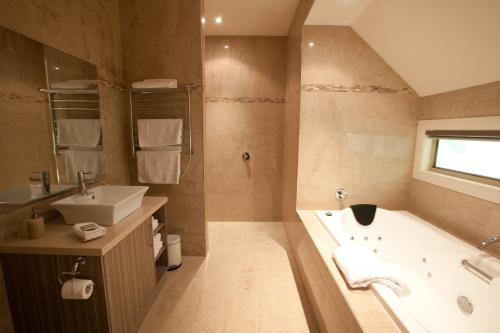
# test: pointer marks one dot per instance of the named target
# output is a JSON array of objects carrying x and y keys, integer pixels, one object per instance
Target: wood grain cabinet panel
[
  {"x": 35, "y": 295},
  {"x": 130, "y": 279}
]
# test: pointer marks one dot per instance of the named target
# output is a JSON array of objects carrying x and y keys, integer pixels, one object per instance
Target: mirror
[{"x": 49, "y": 121}]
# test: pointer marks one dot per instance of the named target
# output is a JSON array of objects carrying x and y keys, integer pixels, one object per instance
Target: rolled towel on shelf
[
  {"x": 361, "y": 268},
  {"x": 78, "y": 132},
  {"x": 157, "y": 245},
  {"x": 154, "y": 223},
  {"x": 155, "y": 83},
  {"x": 157, "y": 237}
]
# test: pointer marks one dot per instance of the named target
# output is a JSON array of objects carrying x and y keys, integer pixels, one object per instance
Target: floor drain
[{"x": 465, "y": 305}]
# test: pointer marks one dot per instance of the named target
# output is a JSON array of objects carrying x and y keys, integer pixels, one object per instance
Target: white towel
[
  {"x": 361, "y": 268},
  {"x": 155, "y": 83},
  {"x": 86, "y": 161},
  {"x": 154, "y": 223},
  {"x": 78, "y": 132},
  {"x": 157, "y": 245},
  {"x": 74, "y": 84},
  {"x": 159, "y": 132},
  {"x": 86, "y": 235},
  {"x": 159, "y": 166}
]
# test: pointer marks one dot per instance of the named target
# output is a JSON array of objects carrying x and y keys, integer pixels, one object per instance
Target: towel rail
[{"x": 160, "y": 108}]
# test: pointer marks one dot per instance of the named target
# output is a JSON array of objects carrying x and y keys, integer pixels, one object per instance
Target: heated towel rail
[{"x": 162, "y": 103}]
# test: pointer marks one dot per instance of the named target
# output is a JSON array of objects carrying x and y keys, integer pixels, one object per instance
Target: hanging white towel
[
  {"x": 74, "y": 84},
  {"x": 159, "y": 166},
  {"x": 159, "y": 132},
  {"x": 78, "y": 132},
  {"x": 86, "y": 161},
  {"x": 155, "y": 83},
  {"x": 361, "y": 268}
]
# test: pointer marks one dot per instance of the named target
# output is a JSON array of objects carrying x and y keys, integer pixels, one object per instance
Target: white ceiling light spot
[
  {"x": 203, "y": 20},
  {"x": 218, "y": 20},
  {"x": 311, "y": 44},
  {"x": 226, "y": 46}
]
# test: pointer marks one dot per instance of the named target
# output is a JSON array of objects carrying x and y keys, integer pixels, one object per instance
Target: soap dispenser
[{"x": 36, "y": 225}]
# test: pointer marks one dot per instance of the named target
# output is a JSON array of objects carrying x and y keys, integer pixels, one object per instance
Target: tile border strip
[
  {"x": 371, "y": 89},
  {"x": 246, "y": 100}
]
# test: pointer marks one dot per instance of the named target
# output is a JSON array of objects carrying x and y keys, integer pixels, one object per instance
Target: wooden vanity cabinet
[{"x": 125, "y": 280}]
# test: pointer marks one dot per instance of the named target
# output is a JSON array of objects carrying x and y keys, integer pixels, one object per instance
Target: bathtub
[{"x": 430, "y": 262}]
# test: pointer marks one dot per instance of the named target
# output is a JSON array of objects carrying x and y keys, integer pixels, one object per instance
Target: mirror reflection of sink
[{"x": 105, "y": 205}]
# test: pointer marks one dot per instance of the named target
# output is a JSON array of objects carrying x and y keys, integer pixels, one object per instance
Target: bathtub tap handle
[
  {"x": 487, "y": 242},
  {"x": 340, "y": 194}
]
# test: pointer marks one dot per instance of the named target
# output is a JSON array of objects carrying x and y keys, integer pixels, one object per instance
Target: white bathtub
[{"x": 431, "y": 264}]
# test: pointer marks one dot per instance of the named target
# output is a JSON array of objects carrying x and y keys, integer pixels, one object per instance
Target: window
[
  {"x": 461, "y": 154},
  {"x": 472, "y": 158}
]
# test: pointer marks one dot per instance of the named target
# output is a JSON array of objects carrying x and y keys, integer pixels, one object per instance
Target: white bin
[{"x": 174, "y": 252}]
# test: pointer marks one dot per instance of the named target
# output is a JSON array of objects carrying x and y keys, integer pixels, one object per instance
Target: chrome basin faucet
[
  {"x": 487, "y": 242},
  {"x": 82, "y": 185}
]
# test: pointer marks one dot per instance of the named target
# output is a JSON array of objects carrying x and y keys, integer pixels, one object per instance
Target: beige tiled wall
[
  {"x": 163, "y": 39},
  {"x": 357, "y": 123},
  {"x": 245, "y": 87},
  {"x": 470, "y": 218}
]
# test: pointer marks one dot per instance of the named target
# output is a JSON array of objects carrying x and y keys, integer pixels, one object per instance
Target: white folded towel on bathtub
[{"x": 361, "y": 268}]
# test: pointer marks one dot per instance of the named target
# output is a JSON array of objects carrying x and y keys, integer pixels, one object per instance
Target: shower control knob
[
  {"x": 340, "y": 194},
  {"x": 245, "y": 156}
]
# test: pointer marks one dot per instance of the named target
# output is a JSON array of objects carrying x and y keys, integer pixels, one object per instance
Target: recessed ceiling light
[
  {"x": 203, "y": 20},
  {"x": 311, "y": 44},
  {"x": 56, "y": 68},
  {"x": 226, "y": 46},
  {"x": 218, "y": 20}
]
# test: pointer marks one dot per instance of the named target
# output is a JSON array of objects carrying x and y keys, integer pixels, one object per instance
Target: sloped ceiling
[
  {"x": 249, "y": 17},
  {"x": 435, "y": 45}
]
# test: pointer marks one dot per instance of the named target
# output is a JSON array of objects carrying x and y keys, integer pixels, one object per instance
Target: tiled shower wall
[
  {"x": 163, "y": 39},
  {"x": 244, "y": 103},
  {"x": 357, "y": 124}
]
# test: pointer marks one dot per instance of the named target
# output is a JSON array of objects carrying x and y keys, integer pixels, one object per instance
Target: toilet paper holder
[{"x": 80, "y": 261}]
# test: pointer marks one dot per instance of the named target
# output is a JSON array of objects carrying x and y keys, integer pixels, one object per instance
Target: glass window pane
[{"x": 477, "y": 157}]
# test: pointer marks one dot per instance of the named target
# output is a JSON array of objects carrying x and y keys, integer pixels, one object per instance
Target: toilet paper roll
[{"x": 77, "y": 289}]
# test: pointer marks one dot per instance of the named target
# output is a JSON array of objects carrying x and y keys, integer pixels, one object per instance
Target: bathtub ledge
[{"x": 368, "y": 311}]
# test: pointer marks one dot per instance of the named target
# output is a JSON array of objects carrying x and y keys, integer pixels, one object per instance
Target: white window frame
[{"x": 424, "y": 157}]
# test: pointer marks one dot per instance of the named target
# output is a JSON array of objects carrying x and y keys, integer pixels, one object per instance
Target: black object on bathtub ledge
[{"x": 364, "y": 213}]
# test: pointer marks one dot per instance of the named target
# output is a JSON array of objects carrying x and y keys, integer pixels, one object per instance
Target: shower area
[{"x": 244, "y": 110}]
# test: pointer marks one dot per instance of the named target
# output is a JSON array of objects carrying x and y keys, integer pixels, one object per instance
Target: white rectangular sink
[{"x": 104, "y": 205}]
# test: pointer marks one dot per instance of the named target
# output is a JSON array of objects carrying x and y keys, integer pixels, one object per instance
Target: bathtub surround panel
[
  {"x": 163, "y": 39},
  {"x": 469, "y": 218},
  {"x": 357, "y": 123},
  {"x": 244, "y": 104}
]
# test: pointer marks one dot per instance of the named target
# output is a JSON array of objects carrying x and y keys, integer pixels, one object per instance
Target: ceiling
[
  {"x": 434, "y": 45},
  {"x": 249, "y": 17}
]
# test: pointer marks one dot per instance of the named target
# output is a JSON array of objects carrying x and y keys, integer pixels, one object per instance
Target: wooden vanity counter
[
  {"x": 59, "y": 238},
  {"x": 122, "y": 264}
]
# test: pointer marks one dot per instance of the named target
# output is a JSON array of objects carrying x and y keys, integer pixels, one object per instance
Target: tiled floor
[{"x": 248, "y": 283}]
